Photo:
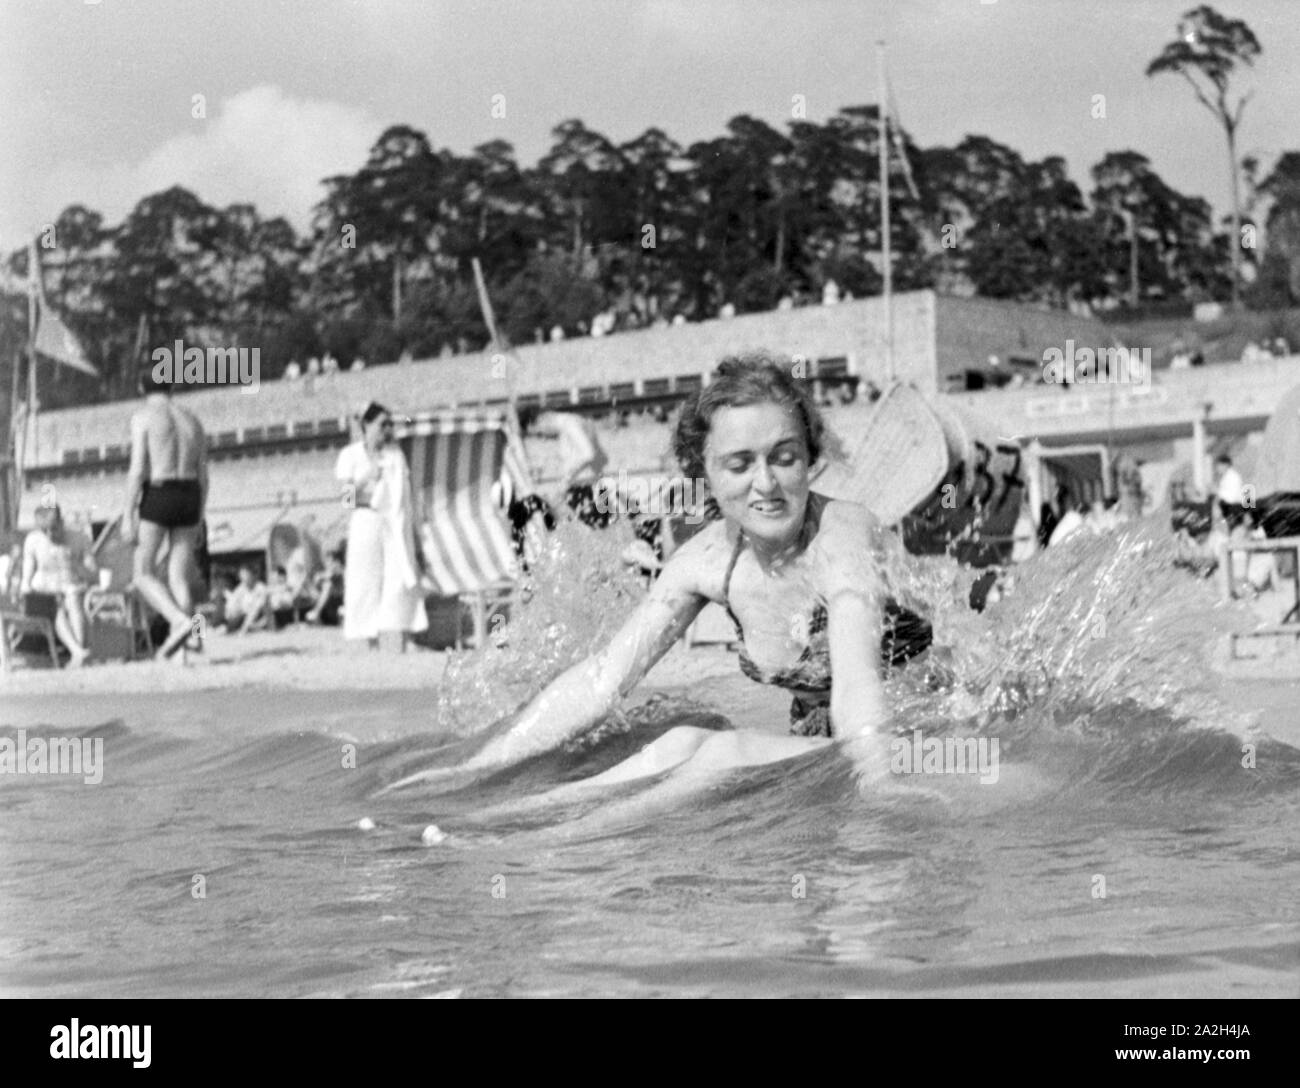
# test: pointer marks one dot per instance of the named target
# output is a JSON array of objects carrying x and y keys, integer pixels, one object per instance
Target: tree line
[{"x": 640, "y": 232}]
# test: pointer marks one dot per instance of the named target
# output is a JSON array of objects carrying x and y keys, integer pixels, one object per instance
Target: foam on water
[{"x": 577, "y": 595}]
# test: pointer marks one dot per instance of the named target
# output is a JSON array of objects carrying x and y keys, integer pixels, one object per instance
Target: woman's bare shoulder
[
  {"x": 698, "y": 566},
  {"x": 847, "y": 547},
  {"x": 840, "y": 517}
]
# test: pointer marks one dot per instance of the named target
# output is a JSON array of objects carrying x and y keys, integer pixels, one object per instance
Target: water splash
[
  {"x": 576, "y": 596},
  {"x": 1102, "y": 620}
]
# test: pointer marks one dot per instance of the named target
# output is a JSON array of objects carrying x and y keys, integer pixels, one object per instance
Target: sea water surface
[{"x": 1141, "y": 838}]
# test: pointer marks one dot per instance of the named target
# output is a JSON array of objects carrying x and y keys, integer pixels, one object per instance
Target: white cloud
[{"x": 259, "y": 146}]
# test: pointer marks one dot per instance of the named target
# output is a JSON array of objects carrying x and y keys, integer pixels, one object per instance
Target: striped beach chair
[{"x": 456, "y": 456}]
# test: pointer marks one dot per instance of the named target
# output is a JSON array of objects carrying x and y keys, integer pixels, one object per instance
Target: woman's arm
[
  {"x": 29, "y": 564},
  {"x": 355, "y": 486},
  {"x": 851, "y": 581},
  {"x": 585, "y": 693}
]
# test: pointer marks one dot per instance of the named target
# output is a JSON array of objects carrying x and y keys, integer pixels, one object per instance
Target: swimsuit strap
[{"x": 726, "y": 585}]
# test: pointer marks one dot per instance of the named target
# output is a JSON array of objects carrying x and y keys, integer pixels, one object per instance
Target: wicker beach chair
[
  {"x": 944, "y": 476},
  {"x": 455, "y": 457},
  {"x": 295, "y": 550},
  {"x": 898, "y": 454}
]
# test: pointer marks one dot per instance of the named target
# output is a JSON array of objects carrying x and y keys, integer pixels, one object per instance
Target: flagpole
[
  {"x": 885, "y": 249},
  {"x": 11, "y": 468},
  {"x": 497, "y": 345},
  {"x": 33, "y": 287},
  {"x": 141, "y": 338}
]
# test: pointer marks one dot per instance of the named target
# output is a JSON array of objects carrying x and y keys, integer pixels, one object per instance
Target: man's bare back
[
  {"x": 174, "y": 441},
  {"x": 167, "y": 491}
]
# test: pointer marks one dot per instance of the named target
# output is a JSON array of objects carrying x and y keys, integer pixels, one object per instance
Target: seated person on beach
[
  {"x": 796, "y": 571},
  {"x": 246, "y": 604},
  {"x": 1247, "y": 574},
  {"x": 327, "y": 585},
  {"x": 582, "y": 459},
  {"x": 528, "y": 518},
  {"x": 1229, "y": 492},
  {"x": 1070, "y": 523},
  {"x": 280, "y": 597},
  {"x": 1241, "y": 573},
  {"x": 645, "y": 551},
  {"x": 222, "y": 584},
  {"x": 57, "y": 562}
]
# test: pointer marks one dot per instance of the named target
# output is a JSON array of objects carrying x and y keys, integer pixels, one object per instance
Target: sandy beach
[
  {"x": 308, "y": 672},
  {"x": 312, "y": 667},
  {"x": 302, "y": 658}
]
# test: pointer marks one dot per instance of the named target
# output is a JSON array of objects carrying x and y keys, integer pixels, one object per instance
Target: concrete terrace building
[{"x": 272, "y": 452}]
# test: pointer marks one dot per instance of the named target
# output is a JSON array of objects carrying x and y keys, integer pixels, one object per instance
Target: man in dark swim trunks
[{"x": 167, "y": 489}]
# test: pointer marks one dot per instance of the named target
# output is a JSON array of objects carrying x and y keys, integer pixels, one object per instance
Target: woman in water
[{"x": 795, "y": 570}]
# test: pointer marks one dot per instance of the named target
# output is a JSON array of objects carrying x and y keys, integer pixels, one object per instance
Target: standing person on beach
[
  {"x": 381, "y": 581},
  {"x": 166, "y": 493},
  {"x": 1229, "y": 492}
]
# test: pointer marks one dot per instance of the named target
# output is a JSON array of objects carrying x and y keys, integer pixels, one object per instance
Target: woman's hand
[
  {"x": 871, "y": 754},
  {"x": 587, "y": 691},
  {"x": 858, "y": 707},
  {"x": 359, "y": 494}
]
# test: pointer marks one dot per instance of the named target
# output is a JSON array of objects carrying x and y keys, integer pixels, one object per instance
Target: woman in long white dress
[{"x": 381, "y": 581}]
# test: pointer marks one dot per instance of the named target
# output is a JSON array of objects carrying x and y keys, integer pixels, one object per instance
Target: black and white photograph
[{"x": 651, "y": 499}]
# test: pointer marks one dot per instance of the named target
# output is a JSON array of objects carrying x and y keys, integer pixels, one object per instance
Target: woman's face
[
  {"x": 757, "y": 464},
  {"x": 379, "y": 430}
]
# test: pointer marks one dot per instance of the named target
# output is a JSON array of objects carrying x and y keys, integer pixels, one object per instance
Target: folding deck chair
[
  {"x": 118, "y": 620},
  {"x": 1289, "y": 625},
  {"x": 455, "y": 457},
  {"x": 32, "y": 615}
]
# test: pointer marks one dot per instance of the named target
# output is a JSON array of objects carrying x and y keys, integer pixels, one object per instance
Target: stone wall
[{"x": 852, "y": 331}]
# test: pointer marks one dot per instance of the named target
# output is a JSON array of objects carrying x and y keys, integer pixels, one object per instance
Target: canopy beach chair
[
  {"x": 295, "y": 550},
  {"x": 456, "y": 456},
  {"x": 944, "y": 476}
]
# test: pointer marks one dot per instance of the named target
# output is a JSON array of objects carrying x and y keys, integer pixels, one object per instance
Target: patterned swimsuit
[{"x": 906, "y": 636}]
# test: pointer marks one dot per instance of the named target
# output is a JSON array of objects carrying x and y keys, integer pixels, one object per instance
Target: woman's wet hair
[{"x": 739, "y": 381}]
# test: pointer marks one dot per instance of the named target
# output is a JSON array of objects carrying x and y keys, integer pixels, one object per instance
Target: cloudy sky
[{"x": 98, "y": 96}]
